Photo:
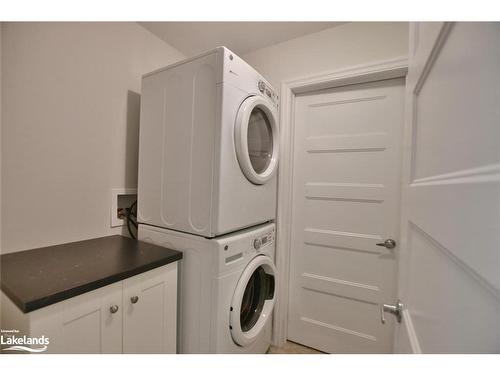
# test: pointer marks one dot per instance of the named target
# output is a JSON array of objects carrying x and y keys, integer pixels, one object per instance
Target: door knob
[
  {"x": 396, "y": 310},
  {"x": 134, "y": 299},
  {"x": 113, "y": 309},
  {"x": 389, "y": 244}
]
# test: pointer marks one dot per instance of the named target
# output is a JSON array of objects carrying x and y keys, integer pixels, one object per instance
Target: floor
[{"x": 292, "y": 348}]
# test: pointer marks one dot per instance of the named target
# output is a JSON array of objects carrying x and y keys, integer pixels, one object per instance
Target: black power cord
[{"x": 132, "y": 219}]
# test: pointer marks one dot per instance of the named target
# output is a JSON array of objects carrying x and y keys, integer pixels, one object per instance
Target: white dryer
[
  {"x": 227, "y": 288},
  {"x": 208, "y": 148}
]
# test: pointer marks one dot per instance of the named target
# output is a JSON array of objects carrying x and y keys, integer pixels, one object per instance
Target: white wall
[
  {"x": 70, "y": 125},
  {"x": 1, "y": 26},
  {"x": 335, "y": 48}
]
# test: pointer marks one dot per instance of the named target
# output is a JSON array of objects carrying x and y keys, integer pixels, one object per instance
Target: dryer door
[
  {"x": 253, "y": 300},
  {"x": 257, "y": 140}
]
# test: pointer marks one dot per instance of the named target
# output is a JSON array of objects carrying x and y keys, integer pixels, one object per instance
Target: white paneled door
[
  {"x": 346, "y": 195},
  {"x": 450, "y": 255}
]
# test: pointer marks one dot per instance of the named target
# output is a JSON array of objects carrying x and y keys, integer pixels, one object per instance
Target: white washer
[
  {"x": 227, "y": 289},
  {"x": 208, "y": 148}
]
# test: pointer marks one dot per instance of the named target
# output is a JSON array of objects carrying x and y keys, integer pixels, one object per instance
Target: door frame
[{"x": 375, "y": 71}]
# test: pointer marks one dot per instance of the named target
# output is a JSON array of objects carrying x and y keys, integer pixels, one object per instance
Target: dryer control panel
[{"x": 267, "y": 91}]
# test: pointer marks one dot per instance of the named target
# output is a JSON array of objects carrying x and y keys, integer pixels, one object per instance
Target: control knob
[
  {"x": 262, "y": 86},
  {"x": 257, "y": 243}
]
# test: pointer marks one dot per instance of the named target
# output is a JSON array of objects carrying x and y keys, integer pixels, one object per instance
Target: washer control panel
[{"x": 263, "y": 240}]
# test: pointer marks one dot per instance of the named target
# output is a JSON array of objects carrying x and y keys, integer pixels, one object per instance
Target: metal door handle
[
  {"x": 396, "y": 310},
  {"x": 389, "y": 243},
  {"x": 134, "y": 299},
  {"x": 113, "y": 309}
]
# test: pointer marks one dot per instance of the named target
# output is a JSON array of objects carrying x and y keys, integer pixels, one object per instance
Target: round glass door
[
  {"x": 260, "y": 140},
  {"x": 253, "y": 301},
  {"x": 256, "y": 140}
]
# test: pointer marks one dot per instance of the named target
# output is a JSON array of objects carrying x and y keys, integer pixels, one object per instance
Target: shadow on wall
[
  {"x": 132, "y": 138},
  {"x": 132, "y": 141}
]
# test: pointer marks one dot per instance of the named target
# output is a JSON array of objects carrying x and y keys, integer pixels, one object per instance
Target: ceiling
[{"x": 192, "y": 38}]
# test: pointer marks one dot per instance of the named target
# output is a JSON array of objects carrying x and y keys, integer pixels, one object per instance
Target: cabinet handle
[
  {"x": 113, "y": 309},
  {"x": 134, "y": 299}
]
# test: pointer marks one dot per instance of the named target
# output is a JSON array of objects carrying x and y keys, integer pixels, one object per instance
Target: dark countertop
[{"x": 36, "y": 278}]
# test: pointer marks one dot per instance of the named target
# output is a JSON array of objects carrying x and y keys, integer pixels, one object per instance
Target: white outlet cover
[{"x": 115, "y": 221}]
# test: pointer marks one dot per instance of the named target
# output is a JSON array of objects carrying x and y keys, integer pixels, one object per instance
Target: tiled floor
[{"x": 292, "y": 348}]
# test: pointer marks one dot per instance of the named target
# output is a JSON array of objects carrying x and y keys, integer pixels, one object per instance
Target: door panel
[
  {"x": 339, "y": 110},
  {"x": 83, "y": 324},
  {"x": 149, "y": 323},
  {"x": 449, "y": 279},
  {"x": 349, "y": 215},
  {"x": 337, "y": 161},
  {"x": 87, "y": 328},
  {"x": 346, "y": 172},
  {"x": 351, "y": 264},
  {"x": 455, "y": 295}
]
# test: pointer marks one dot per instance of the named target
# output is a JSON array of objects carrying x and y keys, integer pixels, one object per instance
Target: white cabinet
[
  {"x": 136, "y": 315},
  {"x": 82, "y": 324},
  {"x": 148, "y": 308}
]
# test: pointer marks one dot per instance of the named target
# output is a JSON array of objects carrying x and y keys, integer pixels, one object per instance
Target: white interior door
[
  {"x": 346, "y": 192},
  {"x": 450, "y": 255}
]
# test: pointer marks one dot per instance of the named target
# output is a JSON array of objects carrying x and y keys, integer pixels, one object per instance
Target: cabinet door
[
  {"x": 83, "y": 324},
  {"x": 150, "y": 311}
]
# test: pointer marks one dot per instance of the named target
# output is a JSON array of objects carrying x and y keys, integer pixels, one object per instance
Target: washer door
[
  {"x": 257, "y": 139},
  {"x": 253, "y": 300}
]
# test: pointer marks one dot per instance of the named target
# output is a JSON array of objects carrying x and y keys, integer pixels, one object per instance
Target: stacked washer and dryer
[{"x": 208, "y": 155}]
